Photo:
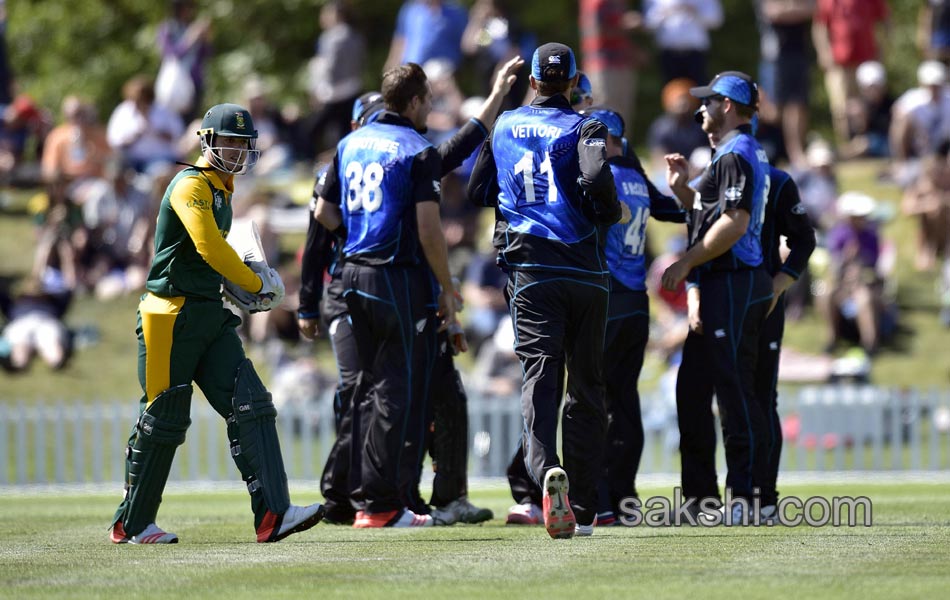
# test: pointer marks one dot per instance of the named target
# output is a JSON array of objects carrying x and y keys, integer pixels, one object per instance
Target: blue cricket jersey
[{"x": 378, "y": 190}]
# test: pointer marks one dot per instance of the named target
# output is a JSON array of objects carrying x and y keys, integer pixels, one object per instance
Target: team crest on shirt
[
  {"x": 733, "y": 193},
  {"x": 798, "y": 209},
  {"x": 217, "y": 202},
  {"x": 437, "y": 186}
]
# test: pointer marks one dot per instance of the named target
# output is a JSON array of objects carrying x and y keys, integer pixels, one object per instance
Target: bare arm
[
  {"x": 328, "y": 214},
  {"x": 724, "y": 233}
]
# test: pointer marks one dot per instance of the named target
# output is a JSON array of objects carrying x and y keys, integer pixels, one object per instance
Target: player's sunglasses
[{"x": 710, "y": 99}]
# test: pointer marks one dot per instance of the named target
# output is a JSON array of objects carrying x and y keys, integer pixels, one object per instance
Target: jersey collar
[{"x": 212, "y": 174}]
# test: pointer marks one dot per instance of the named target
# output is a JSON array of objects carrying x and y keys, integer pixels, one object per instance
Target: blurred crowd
[{"x": 100, "y": 180}]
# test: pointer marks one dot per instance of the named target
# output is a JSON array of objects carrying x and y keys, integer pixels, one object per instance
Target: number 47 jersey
[{"x": 382, "y": 171}]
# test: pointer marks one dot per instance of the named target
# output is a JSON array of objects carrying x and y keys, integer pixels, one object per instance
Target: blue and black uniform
[
  {"x": 735, "y": 294},
  {"x": 628, "y": 325},
  {"x": 544, "y": 171},
  {"x": 785, "y": 215},
  {"x": 322, "y": 253},
  {"x": 378, "y": 175}
]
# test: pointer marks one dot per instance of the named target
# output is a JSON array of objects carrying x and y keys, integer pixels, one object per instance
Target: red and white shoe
[
  {"x": 153, "y": 534},
  {"x": 392, "y": 518},
  {"x": 525, "y": 514},
  {"x": 558, "y": 517},
  {"x": 297, "y": 518}
]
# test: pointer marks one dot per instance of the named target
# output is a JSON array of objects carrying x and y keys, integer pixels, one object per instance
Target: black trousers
[
  {"x": 395, "y": 339},
  {"x": 628, "y": 329},
  {"x": 766, "y": 393},
  {"x": 339, "y": 478},
  {"x": 560, "y": 321},
  {"x": 448, "y": 434},
  {"x": 722, "y": 360}
]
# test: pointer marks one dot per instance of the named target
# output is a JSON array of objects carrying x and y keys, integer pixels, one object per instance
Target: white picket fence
[{"x": 836, "y": 428}]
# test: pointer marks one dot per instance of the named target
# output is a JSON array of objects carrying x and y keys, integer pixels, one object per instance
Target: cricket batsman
[{"x": 186, "y": 335}]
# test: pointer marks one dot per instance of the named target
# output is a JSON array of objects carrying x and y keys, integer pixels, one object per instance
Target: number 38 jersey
[{"x": 380, "y": 172}]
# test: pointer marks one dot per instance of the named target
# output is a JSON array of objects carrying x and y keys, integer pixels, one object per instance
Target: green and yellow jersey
[{"x": 191, "y": 253}]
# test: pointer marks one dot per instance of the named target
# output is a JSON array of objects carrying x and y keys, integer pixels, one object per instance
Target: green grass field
[{"x": 53, "y": 545}]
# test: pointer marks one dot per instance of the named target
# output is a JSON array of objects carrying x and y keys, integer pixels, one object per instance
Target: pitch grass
[{"x": 54, "y": 546}]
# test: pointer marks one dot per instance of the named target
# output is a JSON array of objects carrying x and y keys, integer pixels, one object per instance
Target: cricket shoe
[
  {"x": 605, "y": 519},
  {"x": 393, "y": 518},
  {"x": 152, "y": 534},
  {"x": 297, "y": 518},
  {"x": 528, "y": 513},
  {"x": 460, "y": 510},
  {"x": 558, "y": 516}
]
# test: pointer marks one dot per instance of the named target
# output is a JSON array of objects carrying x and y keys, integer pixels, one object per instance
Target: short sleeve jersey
[{"x": 737, "y": 178}]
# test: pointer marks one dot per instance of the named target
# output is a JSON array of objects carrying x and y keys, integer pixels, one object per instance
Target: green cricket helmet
[{"x": 232, "y": 121}]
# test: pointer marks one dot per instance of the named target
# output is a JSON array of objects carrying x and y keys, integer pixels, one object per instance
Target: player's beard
[{"x": 712, "y": 120}]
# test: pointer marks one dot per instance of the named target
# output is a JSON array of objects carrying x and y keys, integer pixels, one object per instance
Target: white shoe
[
  {"x": 460, "y": 510},
  {"x": 294, "y": 520},
  {"x": 153, "y": 534},
  {"x": 525, "y": 514},
  {"x": 411, "y": 519},
  {"x": 768, "y": 515},
  {"x": 583, "y": 530}
]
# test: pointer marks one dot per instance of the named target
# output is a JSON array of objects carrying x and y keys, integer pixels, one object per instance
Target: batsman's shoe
[
  {"x": 153, "y": 534},
  {"x": 460, "y": 510},
  {"x": 605, "y": 519},
  {"x": 558, "y": 516},
  {"x": 525, "y": 514},
  {"x": 297, "y": 518},
  {"x": 393, "y": 518},
  {"x": 583, "y": 530}
]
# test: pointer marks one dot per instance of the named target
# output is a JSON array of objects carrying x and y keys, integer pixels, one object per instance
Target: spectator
[
  {"x": 272, "y": 135},
  {"x": 920, "y": 120},
  {"x": 336, "y": 78},
  {"x": 676, "y": 130},
  {"x": 928, "y": 200},
  {"x": 36, "y": 325},
  {"x": 77, "y": 150},
  {"x": 844, "y": 34},
  {"x": 186, "y": 39},
  {"x": 610, "y": 58},
  {"x": 141, "y": 131},
  {"x": 681, "y": 30},
  {"x": 23, "y": 129},
  {"x": 818, "y": 184},
  {"x": 447, "y": 99},
  {"x": 6, "y": 74},
  {"x": 120, "y": 222},
  {"x": 933, "y": 32},
  {"x": 869, "y": 115},
  {"x": 785, "y": 66},
  {"x": 493, "y": 36},
  {"x": 427, "y": 29},
  {"x": 61, "y": 235},
  {"x": 855, "y": 287}
]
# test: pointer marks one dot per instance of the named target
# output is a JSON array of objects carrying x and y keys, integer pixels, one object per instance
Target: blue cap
[
  {"x": 553, "y": 62},
  {"x": 582, "y": 90},
  {"x": 367, "y": 107},
  {"x": 608, "y": 117},
  {"x": 735, "y": 85}
]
